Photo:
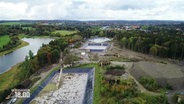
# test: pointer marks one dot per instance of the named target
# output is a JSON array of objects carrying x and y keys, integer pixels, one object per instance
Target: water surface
[{"x": 11, "y": 59}]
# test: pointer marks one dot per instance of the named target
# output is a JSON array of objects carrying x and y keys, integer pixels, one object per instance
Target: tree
[
  {"x": 31, "y": 55},
  {"x": 124, "y": 42},
  {"x": 26, "y": 58},
  {"x": 55, "y": 55},
  {"x": 153, "y": 50},
  {"x": 43, "y": 55},
  {"x": 69, "y": 58}
]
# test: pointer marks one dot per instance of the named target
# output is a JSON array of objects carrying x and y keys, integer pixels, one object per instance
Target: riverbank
[
  {"x": 23, "y": 44},
  {"x": 9, "y": 78},
  {"x": 21, "y": 36}
]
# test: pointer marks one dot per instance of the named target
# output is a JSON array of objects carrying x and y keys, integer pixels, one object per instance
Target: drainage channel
[{"x": 88, "y": 97}]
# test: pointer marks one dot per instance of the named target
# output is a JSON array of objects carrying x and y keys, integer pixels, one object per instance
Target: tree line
[
  {"x": 161, "y": 44},
  {"x": 46, "y": 55},
  {"x": 14, "y": 41}
]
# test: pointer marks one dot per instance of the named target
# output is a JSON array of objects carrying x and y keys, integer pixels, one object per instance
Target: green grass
[
  {"x": 23, "y": 43},
  {"x": 9, "y": 78},
  {"x": 4, "y": 40},
  {"x": 48, "y": 88},
  {"x": 54, "y": 69},
  {"x": 62, "y": 32},
  {"x": 29, "y": 28}
]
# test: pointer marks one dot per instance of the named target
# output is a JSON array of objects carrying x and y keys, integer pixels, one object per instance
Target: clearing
[
  {"x": 63, "y": 32},
  {"x": 4, "y": 40}
]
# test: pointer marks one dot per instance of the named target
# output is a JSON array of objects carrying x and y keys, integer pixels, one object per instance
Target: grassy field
[
  {"x": 63, "y": 32},
  {"x": 23, "y": 43},
  {"x": 48, "y": 88},
  {"x": 29, "y": 28},
  {"x": 9, "y": 78},
  {"x": 4, "y": 40}
]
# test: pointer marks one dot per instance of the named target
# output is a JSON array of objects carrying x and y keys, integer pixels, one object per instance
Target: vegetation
[
  {"x": 52, "y": 70},
  {"x": 149, "y": 83},
  {"x": 13, "y": 42},
  {"x": 9, "y": 80},
  {"x": 23, "y": 43},
  {"x": 115, "y": 67},
  {"x": 162, "y": 42},
  {"x": 59, "y": 33},
  {"x": 178, "y": 98},
  {"x": 13, "y": 23},
  {"x": 70, "y": 58},
  {"x": 46, "y": 55},
  {"x": 4, "y": 40},
  {"x": 123, "y": 91},
  {"x": 166, "y": 43}
]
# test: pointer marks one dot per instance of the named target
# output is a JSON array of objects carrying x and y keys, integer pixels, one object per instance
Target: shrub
[{"x": 149, "y": 83}]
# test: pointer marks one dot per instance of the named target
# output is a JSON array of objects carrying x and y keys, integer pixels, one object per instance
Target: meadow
[
  {"x": 62, "y": 32},
  {"x": 4, "y": 40}
]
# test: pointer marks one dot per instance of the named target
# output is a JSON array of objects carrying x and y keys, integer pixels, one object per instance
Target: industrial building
[{"x": 96, "y": 45}]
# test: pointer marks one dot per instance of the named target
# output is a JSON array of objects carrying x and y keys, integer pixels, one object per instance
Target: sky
[{"x": 92, "y": 9}]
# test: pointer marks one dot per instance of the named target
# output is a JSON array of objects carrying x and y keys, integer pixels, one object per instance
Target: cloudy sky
[{"x": 92, "y": 9}]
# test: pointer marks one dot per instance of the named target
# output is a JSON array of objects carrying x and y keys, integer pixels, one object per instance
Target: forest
[{"x": 162, "y": 45}]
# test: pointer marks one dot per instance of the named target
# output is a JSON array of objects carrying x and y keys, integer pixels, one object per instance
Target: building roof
[
  {"x": 99, "y": 40},
  {"x": 96, "y": 47}
]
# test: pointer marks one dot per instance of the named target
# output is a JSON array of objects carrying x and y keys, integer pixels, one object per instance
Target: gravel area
[
  {"x": 71, "y": 91},
  {"x": 163, "y": 73}
]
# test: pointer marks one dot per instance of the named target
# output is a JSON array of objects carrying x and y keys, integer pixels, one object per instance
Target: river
[{"x": 17, "y": 56}]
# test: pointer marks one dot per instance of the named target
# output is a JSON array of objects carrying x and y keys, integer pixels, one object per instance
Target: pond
[{"x": 17, "y": 56}]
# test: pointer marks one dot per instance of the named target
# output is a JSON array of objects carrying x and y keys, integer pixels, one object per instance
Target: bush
[
  {"x": 149, "y": 83},
  {"x": 168, "y": 86},
  {"x": 115, "y": 67}
]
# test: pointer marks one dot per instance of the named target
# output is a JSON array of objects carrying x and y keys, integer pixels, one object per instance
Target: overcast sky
[{"x": 92, "y": 9}]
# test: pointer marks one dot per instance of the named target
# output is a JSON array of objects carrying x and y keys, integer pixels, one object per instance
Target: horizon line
[{"x": 89, "y": 20}]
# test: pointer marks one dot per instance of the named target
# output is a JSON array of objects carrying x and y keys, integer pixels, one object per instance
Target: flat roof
[
  {"x": 99, "y": 40},
  {"x": 95, "y": 47}
]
